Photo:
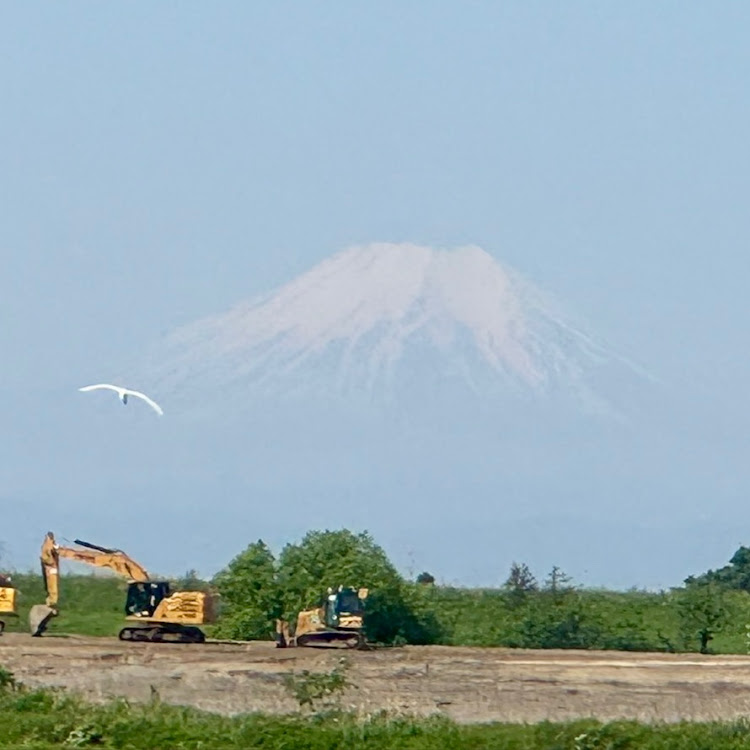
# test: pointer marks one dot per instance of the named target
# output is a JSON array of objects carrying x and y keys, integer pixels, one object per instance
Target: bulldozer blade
[{"x": 39, "y": 617}]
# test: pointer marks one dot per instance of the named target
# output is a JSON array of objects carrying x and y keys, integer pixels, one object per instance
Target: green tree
[
  {"x": 191, "y": 581},
  {"x": 704, "y": 610},
  {"x": 256, "y": 589},
  {"x": 250, "y": 595},
  {"x": 519, "y": 583},
  {"x": 425, "y": 578},
  {"x": 558, "y": 619},
  {"x": 394, "y": 610},
  {"x": 331, "y": 558},
  {"x": 735, "y": 575},
  {"x": 558, "y": 581}
]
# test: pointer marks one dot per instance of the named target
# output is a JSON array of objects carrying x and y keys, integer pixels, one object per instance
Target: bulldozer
[
  {"x": 7, "y": 600},
  {"x": 339, "y": 621},
  {"x": 158, "y": 614}
]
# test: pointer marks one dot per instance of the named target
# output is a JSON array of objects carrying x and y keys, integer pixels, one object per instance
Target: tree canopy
[
  {"x": 256, "y": 588},
  {"x": 734, "y": 575}
]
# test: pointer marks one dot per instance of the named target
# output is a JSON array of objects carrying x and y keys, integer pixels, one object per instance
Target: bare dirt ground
[{"x": 466, "y": 684}]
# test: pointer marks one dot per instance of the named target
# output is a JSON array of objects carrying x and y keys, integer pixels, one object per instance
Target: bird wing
[
  {"x": 149, "y": 401},
  {"x": 99, "y": 386}
]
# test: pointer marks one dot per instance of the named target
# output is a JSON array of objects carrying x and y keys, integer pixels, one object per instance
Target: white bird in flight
[{"x": 123, "y": 393}]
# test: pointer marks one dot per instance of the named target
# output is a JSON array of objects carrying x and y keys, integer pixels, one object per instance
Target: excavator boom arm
[
  {"x": 99, "y": 557},
  {"x": 119, "y": 562}
]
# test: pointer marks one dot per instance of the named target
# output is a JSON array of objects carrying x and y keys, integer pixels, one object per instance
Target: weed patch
[{"x": 319, "y": 691}]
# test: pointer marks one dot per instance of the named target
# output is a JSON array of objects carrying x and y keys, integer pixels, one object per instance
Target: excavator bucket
[
  {"x": 39, "y": 617},
  {"x": 283, "y": 636}
]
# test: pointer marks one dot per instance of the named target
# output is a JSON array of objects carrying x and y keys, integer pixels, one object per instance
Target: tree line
[
  {"x": 257, "y": 587},
  {"x": 709, "y": 612}
]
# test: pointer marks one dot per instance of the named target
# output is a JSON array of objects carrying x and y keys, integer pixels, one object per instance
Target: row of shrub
[{"x": 686, "y": 619}]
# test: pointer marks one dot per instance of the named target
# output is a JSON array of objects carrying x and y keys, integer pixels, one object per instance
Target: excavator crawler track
[
  {"x": 163, "y": 634},
  {"x": 332, "y": 638}
]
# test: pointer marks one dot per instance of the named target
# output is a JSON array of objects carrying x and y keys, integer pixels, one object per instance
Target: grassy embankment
[
  {"x": 632, "y": 620},
  {"x": 46, "y": 719}
]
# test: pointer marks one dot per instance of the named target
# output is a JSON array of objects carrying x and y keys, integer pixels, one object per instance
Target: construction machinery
[
  {"x": 158, "y": 614},
  {"x": 338, "y": 621},
  {"x": 7, "y": 600}
]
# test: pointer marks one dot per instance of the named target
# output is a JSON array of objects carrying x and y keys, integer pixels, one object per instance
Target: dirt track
[{"x": 467, "y": 684}]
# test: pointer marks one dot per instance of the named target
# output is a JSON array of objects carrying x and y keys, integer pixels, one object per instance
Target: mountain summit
[{"x": 374, "y": 318}]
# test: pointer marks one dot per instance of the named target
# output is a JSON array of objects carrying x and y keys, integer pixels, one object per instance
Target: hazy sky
[{"x": 161, "y": 161}]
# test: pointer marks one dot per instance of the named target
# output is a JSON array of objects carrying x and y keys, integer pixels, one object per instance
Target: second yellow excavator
[
  {"x": 161, "y": 615},
  {"x": 338, "y": 621},
  {"x": 7, "y": 600}
]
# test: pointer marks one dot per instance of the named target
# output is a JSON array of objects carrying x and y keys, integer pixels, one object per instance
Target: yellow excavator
[
  {"x": 7, "y": 600},
  {"x": 339, "y": 621},
  {"x": 159, "y": 615}
]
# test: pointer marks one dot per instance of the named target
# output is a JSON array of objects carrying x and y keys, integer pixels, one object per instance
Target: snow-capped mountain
[
  {"x": 488, "y": 414},
  {"x": 371, "y": 319}
]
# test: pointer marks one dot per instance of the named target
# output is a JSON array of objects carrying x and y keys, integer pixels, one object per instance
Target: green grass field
[
  {"x": 89, "y": 604},
  {"x": 629, "y": 620}
]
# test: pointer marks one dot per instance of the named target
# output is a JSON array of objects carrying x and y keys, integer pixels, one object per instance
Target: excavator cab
[
  {"x": 144, "y": 597},
  {"x": 339, "y": 621},
  {"x": 342, "y": 607}
]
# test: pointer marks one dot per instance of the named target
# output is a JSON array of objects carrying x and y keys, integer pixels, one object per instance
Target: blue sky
[{"x": 162, "y": 161}]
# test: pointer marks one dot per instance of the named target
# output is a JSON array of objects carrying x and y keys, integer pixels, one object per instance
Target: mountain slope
[{"x": 382, "y": 320}]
